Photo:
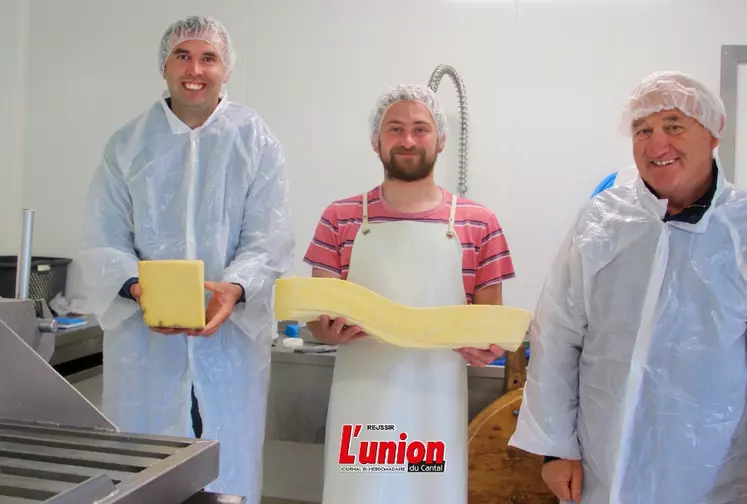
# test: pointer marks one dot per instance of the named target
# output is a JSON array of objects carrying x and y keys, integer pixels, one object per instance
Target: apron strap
[
  {"x": 364, "y": 226},
  {"x": 451, "y": 231}
]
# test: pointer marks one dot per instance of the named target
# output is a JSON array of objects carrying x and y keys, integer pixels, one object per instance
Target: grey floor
[{"x": 272, "y": 500}]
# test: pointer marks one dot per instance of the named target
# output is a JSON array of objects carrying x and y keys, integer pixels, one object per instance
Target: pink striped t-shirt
[{"x": 486, "y": 259}]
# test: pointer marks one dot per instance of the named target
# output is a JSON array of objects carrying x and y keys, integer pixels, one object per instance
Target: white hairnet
[
  {"x": 204, "y": 28},
  {"x": 675, "y": 90},
  {"x": 408, "y": 92}
]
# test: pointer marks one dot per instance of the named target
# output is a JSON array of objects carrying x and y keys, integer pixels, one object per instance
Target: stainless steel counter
[
  {"x": 300, "y": 385},
  {"x": 296, "y": 419},
  {"x": 71, "y": 344}
]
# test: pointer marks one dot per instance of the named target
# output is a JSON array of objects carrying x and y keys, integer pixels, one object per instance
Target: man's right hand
[
  {"x": 564, "y": 478},
  {"x": 334, "y": 332},
  {"x": 135, "y": 293}
]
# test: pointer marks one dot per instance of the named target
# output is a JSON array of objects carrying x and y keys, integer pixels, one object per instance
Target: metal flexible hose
[{"x": 435, "y": 80}]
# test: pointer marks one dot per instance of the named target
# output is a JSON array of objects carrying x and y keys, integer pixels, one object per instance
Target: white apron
[{"x": 423, "y": 393}]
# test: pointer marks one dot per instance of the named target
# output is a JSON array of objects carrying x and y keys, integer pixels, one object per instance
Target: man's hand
[
  {"x": 479, "y": 357},
  {"x": 564, "y": 478},
  {"x": 491, "y": 295},
  {"x": 334, "y": 332},
  {"x": 219, "y": 308}
]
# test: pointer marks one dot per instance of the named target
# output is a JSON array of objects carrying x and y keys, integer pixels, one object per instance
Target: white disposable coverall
[
  {"x": 638, "y": 361},
  {"x": 216, "y": 193}
]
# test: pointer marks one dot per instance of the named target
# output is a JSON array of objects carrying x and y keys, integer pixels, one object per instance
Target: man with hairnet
[
  {"x": 194, "y": 177},
  {"x": 636, "y": 387},
  {"x": 417, "y": 244}
]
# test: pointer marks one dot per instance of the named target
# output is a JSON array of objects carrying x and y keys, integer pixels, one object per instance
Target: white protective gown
[
  {"x": 639, "y": 363},
  {"x": 423, "y": 393},
  {"x": 625, "y": 175},
  {"x": 216, "y": 193}
]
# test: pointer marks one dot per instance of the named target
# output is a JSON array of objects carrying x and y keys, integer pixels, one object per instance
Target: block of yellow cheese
[
  {"x": 479, "y": 326},
  {"x": 172, "y": 293}
]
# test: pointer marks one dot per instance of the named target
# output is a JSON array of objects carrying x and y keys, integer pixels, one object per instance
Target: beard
[{"x": 410, "y": 169}]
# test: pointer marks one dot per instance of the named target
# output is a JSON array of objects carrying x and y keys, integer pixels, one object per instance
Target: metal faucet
[{"x": 435, "y": 80}]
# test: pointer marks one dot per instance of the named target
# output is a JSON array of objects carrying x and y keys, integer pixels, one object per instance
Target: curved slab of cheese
[{"x": 479, "y": 326}]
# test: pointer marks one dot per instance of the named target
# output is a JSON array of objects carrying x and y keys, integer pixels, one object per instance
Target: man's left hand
[
  {"x": 219, "y": 308},
  {"x": 479, "y": 357}
]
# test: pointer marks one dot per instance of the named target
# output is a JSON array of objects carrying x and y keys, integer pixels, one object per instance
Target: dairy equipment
[
  {"x": 57, "y": 448},
  {"x": 434, "y": 82}
]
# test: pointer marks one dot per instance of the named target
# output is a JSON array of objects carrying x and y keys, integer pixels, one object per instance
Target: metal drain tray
[
  {"x": 56, "y": 465},
  {"x": 57, "y": 448}
]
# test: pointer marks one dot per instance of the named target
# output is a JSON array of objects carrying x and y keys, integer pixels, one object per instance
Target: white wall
[
  {"x": 13, "y": 32},
  {"x": 545, "y": 82}
]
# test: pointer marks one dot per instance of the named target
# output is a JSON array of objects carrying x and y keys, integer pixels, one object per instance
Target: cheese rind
[
  {"x": 478, "y": 326},
  {"x": 172, "y": 293}
]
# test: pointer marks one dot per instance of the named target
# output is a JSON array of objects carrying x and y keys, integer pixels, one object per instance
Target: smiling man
[
  {"x": 419, "y": 245},
  {"x": 638, "y": 378},
  {"x": 194, "y": 177}
]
